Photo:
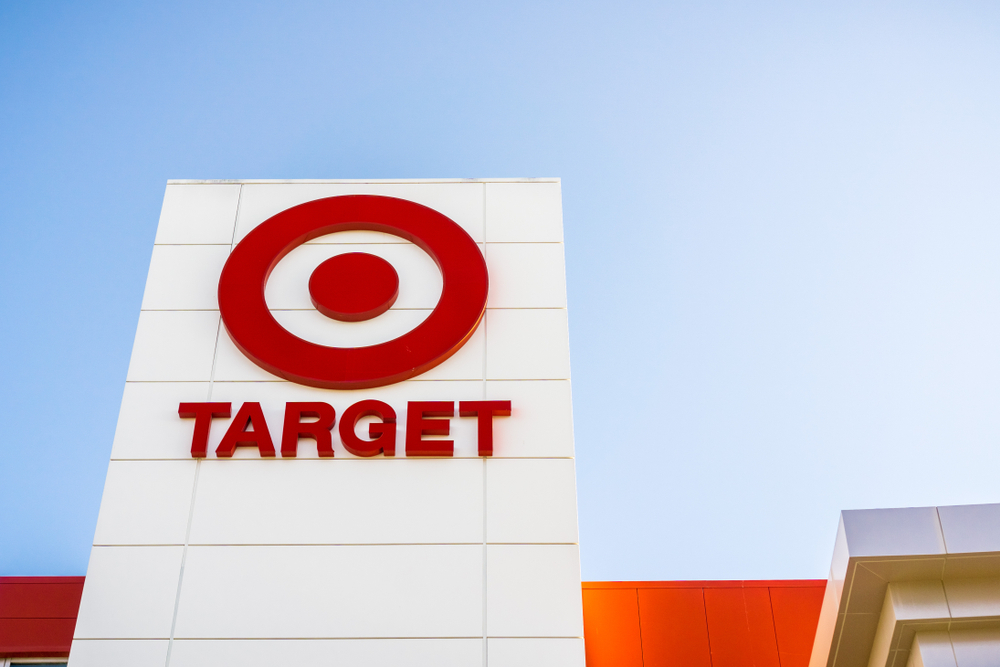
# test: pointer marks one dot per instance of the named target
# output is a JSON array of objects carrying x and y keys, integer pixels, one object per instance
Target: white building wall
[{"x": 380, "y": 561}]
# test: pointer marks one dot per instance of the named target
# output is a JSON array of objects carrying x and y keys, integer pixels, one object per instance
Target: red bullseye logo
[{"x": 353, "y": 287}]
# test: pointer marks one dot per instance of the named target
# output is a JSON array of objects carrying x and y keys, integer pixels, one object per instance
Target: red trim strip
[
  {"x": 38, "y": 615},
  {"x": 41, "y": 580}
]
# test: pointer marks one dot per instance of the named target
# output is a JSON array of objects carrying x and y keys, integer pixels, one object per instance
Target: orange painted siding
[
  {"x": 701, "y": 623},
  {"x": 796, "y": 613},
  {"x": 611, "y": 621},
  {"x": 674, "y": 627}
]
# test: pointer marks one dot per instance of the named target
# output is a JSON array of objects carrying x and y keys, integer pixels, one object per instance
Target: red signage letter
[
  {"x": 382, "y": 434},
  {"x": 250, "y": 415},
  {"x": 203, "y": 413},
  {"x": 418, "y": 426},
  {"x": 319, "y": 430},
  {"x": 486, "y": 411}
]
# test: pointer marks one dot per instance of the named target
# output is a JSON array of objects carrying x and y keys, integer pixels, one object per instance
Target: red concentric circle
[
  {"x": 265, "y": 342},
  {"x": 354, "y": 287}
]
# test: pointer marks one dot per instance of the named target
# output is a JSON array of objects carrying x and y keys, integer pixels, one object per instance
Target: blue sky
[{"x": 782, "y": 225}]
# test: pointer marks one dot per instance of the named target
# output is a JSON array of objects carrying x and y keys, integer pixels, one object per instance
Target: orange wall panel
[
  {"x": 611, "y": 627},
  {"x": 760, "y": 622},
  {"x": 740, "y": 627},
  {"x": 673, "y": 627},
  {"x": 701, "y": 623},
  {"x": 796, "y": 614}
]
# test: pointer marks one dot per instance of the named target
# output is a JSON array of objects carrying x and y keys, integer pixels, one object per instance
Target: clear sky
[{"x": 782, "y": 227}]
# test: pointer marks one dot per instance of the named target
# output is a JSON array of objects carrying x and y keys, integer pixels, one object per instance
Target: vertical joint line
[
  {"x": 638, "y": 616},
  {"x": 708, "y": 629},
  {"x": 486, "y": 653},
  {"x": 197, "y": 464},
  {"x": 940, "y": 526},
  {"x": 485, "y": 638},
  {"x": 774, "y": 625}
]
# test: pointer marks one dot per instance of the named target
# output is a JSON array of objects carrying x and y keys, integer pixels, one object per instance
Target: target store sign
[
  {"x": 353, "y": 287},
  {"x": 346, "y": 434},
  {"x": 336, "y": 310},
  {"x": 350, "y": 287}
]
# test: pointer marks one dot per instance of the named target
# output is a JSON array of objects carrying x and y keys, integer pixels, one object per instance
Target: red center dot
[{"x": 354, "y": 287}]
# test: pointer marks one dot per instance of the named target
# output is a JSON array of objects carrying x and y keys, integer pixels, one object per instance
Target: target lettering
[{"x": 315, "y": 421}]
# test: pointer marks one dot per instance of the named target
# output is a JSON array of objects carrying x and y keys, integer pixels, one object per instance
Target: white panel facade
[
  {"x": 198, "y": 214},
  {"x": 130, "y": 593},
  {"x": 536, "y": 652},
  {"x": 531, "y": 501},
  {"x": 263, "y": 592},
  {"x": 533, "y": 590},
  {"x": 523, "y": 213},
  {"x": 339, "y": 501},
  {"x": 526, "y": 275},
  {"x": 527, "y": 344},
  {"x": 254, "y": 653},
  {"x": 116, "y": 653},
  {"x": 462, "y": 560},
  {"x": 146, "y": 502},
  {"x": 174, "y": 346},
  {"x": 178, "y": 275}
]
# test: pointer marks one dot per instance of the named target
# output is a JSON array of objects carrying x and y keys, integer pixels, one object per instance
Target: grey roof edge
[
  {"x": 902, "y": 531},
  {"x": 957, "y": 534}
]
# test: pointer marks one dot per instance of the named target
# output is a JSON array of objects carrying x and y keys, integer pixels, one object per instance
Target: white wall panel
[
  {"x": 419, "y": 277},
  {"x": 527, "y": 345},
  {"x": 526, "y": 275},
  {"x": 466, "y": 364},
  {"x": 174, "y": 346},
  {"x": 148, "y": 424},
  {"x": 146, "y": 502},
  {"x": 462, "y": 202},
  {"x": 198, "y": 214},
  {"x": 118, "y": 653},
  {"x": 316, "y": 652},
  {"x": 352, "y": 501},
  {"x": 232, "y": 366},
  {"x": 331, "y": 591},
  {"x": 129, "y": 593},
  {"x": 541, "y": 421},
  {"x": 184, "y": 277},
  {"x": 531, "y": 501},
  {"x": 507, "y": 652},
  {"x": 533, "y": 591},
  {"x": 523, "y": 213}
]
